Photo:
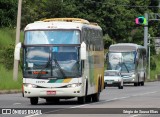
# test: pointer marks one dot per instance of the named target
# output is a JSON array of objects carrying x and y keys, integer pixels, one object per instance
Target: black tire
[
  {"x": 120, "y": 87},
  {"x": 142, "y": 83},
  {"x": 88, "y": 98},
  {"x": 135, "y": 84},
  {"x": 100, "y": 84},
  {"x": 22, "y": 94},
  {"x": 48, "y": 100},
  {"x": 96, "y": 96},
  {"x": 81, "y": 100},
  {"x": 34, "y": 100},
  {"x": 139, "y": 83}
]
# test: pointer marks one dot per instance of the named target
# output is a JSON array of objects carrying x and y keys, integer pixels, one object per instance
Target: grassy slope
[
  {"x": 7, "y": 36},
  {"x": 155, "y": 72}
]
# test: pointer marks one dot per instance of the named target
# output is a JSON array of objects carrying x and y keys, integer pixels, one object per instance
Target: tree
[{"x": 8, "y": 13}]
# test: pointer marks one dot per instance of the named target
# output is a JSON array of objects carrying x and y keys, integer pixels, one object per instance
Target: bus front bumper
[
  {"x": 53, "y": 92},
  {"x": 129, "y": 79}
]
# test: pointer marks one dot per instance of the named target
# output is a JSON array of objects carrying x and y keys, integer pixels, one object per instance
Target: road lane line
[
  {"x": 125, "y": 97},
  {"x": 145, "y": 93},
  {"x": 16, "y": 103},
  {"x": 32, "y": 115},
  {"x": 135, "y": 115}
]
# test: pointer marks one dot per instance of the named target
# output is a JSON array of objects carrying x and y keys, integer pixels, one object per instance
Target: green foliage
[
  {"x": 7, "y": 56},
  {"x": 6, "y": 81},
  {"x": 107, "y": 41},
  {"x": 152, "y": 63},
  {"x": 7, "y": 40},
  {"x": 154, "y": 66},
  {"x": 7, "y": 36},
  {"x": 116, "y": 17},
  {"x": 40, "y": 9},
  {"x": 8, "y": 13}
]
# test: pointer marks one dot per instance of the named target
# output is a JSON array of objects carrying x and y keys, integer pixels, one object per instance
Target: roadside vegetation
[
  {"x": 155, "y": 67},
  {"x": 7, "y": 41}
]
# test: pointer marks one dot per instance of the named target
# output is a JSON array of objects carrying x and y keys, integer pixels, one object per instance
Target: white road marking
[
  {"x": 146, "y": 93},
  {"x": 99, "y": 102},
  {"x": 16, "y": 103},
  {"x": 32, "y": 115},
  {"x": 135, "y": 115}
]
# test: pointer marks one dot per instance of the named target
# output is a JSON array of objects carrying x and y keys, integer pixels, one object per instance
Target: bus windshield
[
  {"x": 52, "y": 37},
  {"x": 51, "y": 62},
  {"x": 123, "y": 61}
]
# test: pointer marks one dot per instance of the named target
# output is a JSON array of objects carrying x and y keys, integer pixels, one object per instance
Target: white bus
[
  {"x": 62, "y": 58},
  {"x": 130, "y": 59}
]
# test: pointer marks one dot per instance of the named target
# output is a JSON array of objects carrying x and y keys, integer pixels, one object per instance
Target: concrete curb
[{"x": 10, "y": 91}]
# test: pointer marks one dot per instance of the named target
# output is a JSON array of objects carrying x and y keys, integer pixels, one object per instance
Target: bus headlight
[
  {"x": 30, "y": 85},
  {"x": 133, "y": 75},
  {"x": 74, "y": 85}
]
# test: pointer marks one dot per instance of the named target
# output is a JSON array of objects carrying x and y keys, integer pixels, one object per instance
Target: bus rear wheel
[
  {"x": 142, "y": 83},
  {"x": 96, "y": 96},
  {"x": 34, "y": 100}
]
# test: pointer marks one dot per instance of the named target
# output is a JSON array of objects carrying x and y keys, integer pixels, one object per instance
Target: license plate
[
  {"x": 51, "y": 92},
  {"x": 109, "y": 82}
]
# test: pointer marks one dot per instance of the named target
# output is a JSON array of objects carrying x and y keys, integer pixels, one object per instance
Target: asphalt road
[{"x": 141, "y": 101}]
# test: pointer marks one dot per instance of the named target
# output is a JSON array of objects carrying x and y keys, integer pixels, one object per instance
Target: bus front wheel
[
  {"x": 81, "y": 100},
  {"x": 34, "y": 100},
  {"x": 136, "y": 84}
]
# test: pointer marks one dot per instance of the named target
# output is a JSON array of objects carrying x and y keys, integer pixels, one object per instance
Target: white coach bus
[
  {"x": 130, "y": 59},
  {"x": 62, "y": 58}
]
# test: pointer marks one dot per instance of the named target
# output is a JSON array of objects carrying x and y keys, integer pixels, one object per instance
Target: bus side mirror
[
  {"x": 83, "y": 51},
  {"x": 17, "y": 51}
]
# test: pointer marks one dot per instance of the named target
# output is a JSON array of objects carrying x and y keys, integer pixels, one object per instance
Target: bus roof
[
  {"x": 62, "y": 23},
  {"x": 124, "y": 47}
]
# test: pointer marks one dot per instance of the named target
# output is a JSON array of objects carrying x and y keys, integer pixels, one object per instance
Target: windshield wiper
[
  {"x": 60, "y": 68},
  {"x": 125, "y": 66},
  {"x": 40, "y": 72}
]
